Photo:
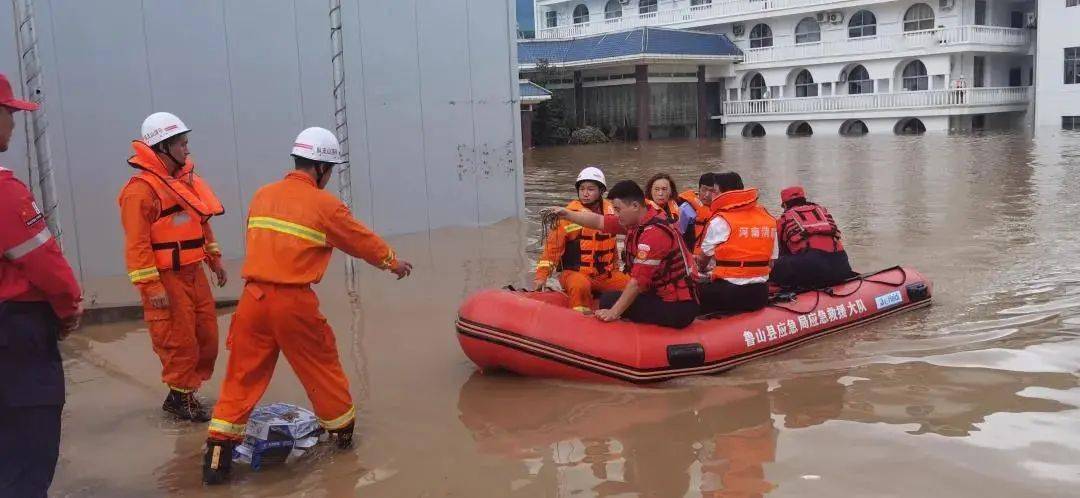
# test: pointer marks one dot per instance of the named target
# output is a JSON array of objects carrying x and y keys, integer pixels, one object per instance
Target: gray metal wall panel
[
  {"x": 448, "y": 122},
  {"x": 391, "y": 90},
  {"x": 189, "y": 75},
  {"x": 426, "y": 84},
  {"x": 102, "y": 64},
  {"x": 15, "y": 157},
  {"x": 496, "y": 154},
  {"x": 265, "y": 80}
]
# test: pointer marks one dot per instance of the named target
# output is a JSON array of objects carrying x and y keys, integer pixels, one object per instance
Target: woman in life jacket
[
  {"x": 660, "y": 195},
  {"x": 811, "y": 253}
]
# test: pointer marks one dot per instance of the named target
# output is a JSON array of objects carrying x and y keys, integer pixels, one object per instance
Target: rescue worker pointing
[
  {"x": 293, "y": 227},
  {"x": 39, "y": 304},
  {"x": 165, "y": 209}
]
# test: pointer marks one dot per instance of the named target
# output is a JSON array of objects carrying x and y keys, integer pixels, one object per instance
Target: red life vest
[
  {"x": 809, "y": 226},
  {"x": 672, "y": 280}
]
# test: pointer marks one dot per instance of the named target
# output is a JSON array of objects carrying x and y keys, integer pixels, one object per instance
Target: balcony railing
[
  {"x": 882, "y": 101},
  {"x": 667, "y": 15},
  {"x": 930, "y": 40}
]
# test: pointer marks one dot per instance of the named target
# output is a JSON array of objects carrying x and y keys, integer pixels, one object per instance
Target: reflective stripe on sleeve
[
  {"x": 647, "y": 262},
  {"x": 143, "y": 274},
  {"x": 28, "y": 245},
  {"x": 288, "y": 228}
]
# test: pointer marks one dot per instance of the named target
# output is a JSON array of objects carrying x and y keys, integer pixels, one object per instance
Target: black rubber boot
[
  {"x": 343, "y": 437},
  {"x": 217, "y": 464},
  {"x": 185, "y": 406}
]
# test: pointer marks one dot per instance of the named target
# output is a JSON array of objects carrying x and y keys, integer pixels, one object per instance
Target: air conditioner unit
[
  {"x": 738, "y": 29},
  {"x": 822, "y": 17},
  {"x": 1031, "y": 19},
  {"x": 947, "y": 4},
  {"x": 836, "y": 17}
]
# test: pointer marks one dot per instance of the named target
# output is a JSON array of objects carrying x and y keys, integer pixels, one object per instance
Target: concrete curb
[{"x": 112, "y": 314}]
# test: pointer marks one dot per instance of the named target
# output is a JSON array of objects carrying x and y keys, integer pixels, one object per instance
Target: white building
[
  {"x": 1057, "y": 89},
  {"x": 845, "y": 66}
]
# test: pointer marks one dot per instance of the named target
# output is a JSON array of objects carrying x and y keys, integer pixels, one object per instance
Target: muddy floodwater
[{"x": 975, "y": 396}]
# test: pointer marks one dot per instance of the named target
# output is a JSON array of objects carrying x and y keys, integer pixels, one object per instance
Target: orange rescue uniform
[
  {"x": 167, "y": 236},
  {"x": 293, "y": 228},
  {"x": 585, "y": 257}
]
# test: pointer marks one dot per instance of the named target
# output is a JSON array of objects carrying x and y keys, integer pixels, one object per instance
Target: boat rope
[{"x": 549, "y": 220}]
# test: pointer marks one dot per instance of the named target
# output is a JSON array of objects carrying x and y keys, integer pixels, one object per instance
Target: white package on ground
[{"x": 277, "y": 433}]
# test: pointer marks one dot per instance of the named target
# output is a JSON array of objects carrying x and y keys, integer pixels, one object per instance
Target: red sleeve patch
[{"x": 30, "y": 214}]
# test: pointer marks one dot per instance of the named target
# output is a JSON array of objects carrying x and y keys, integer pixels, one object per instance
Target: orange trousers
[
  {"x": 285, "y": 318},
  {"x": 184, "y": 335},
  {"x": 581, "y": 287}
]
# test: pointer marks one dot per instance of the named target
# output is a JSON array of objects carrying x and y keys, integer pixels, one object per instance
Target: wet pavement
[{"x": 976, "y": 396}]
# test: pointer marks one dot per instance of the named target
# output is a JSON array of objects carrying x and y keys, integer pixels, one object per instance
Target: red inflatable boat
[{"x": 536, "y": 334}]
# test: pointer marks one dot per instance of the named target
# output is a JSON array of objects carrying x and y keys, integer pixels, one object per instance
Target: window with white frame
[
  {"x": 761, "y": 36},
  {"x": 551, "y": 19},
  {"x": 804, "y": 85},
  {"x": 1072, "y": 65},
  {"x": 919, "y": 17},
  {"x": 858, "y": 80},
  {"x": 862, "y": 23},
  {"x": 613, "y": 9},
  {"x": 757, "y": 87},
  {"x": 807, "y": 31},
  {"x": 915, "y": 78},
  {"x": 646, "y": 6},
  {"x": 581, "y": 14},
  {"x": 1072, "y": 3},
  {"x": 1070, "y": 122}
]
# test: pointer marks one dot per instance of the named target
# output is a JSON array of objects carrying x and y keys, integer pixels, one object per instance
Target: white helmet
[
  {"x": 318, "y": 144},
  {"x": 591, "y": 173},
  {"x": 160, "y": 126}
]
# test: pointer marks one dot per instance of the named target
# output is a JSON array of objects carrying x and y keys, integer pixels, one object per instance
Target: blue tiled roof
[
  {"x": 530, "y": 89},
  {"x": 637, "y": 42}
]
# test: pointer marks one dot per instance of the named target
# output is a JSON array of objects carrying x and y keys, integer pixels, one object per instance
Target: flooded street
[{"x": 975, "y": 396}]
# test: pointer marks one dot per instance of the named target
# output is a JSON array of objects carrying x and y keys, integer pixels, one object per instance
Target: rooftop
[{"x": 636, "y": 45}]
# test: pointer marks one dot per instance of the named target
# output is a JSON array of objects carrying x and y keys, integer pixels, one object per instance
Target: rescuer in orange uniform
[
  {"x": 587, "y": 258},
  {"x": 293, "y": 227},
  {"x": 165, "y": 209}
]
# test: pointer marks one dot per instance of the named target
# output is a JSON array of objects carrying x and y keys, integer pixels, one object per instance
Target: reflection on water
[{"x": 977, "y": 395}]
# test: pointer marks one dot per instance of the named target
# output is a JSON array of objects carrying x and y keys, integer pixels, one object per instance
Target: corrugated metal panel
[{"x": 431, "y": 91}]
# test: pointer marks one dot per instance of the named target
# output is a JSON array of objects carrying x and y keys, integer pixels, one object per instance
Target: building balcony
[
  {"x": 668, "y": 15},
  {"x": 986, "y": 38},
  {"x": 929, "y": 102}
]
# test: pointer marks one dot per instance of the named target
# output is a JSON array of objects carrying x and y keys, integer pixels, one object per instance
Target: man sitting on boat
[
  {"x": 660, "y": 290},
  {"x": 811, "y": 254},
  {"x": 740, "y": 246},
  {"x": 586, "y": 257}
]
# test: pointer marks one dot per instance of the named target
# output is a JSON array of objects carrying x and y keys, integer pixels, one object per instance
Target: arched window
[
  {"x": 646, "y": 6},
  {"x": 915, "y": 78},
  {"x": 761, "y": 36},
  {"x": 551, "y": 18},
  {"x": 910, "y": 126},
  {"x": 757, "y": 87},
  {"x": 581, "y": 14},
  {"x": 804, "y": 85},
  {"x": 919, "y": 17},
  {"x": 613, "y": 9},
  {"x": 753, "y": 130},
  {"x": 863, "y": 23},
  {"x": 858, "y": 80},
  {"x": 807, "y": 31}
]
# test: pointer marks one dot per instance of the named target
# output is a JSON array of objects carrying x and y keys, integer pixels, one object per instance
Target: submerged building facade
[{"x": 808, "y": 67}]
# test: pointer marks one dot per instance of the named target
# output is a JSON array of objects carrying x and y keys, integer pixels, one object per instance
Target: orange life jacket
[
  {"x": 749, "y": 247},
  {"x": 670, "y": 211},
  {"x": 588, "y": 251},
  {"x": 809, "y": 226},
  {"x": 186, "y": 203},
  {"x": 701, "y": 220}
]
